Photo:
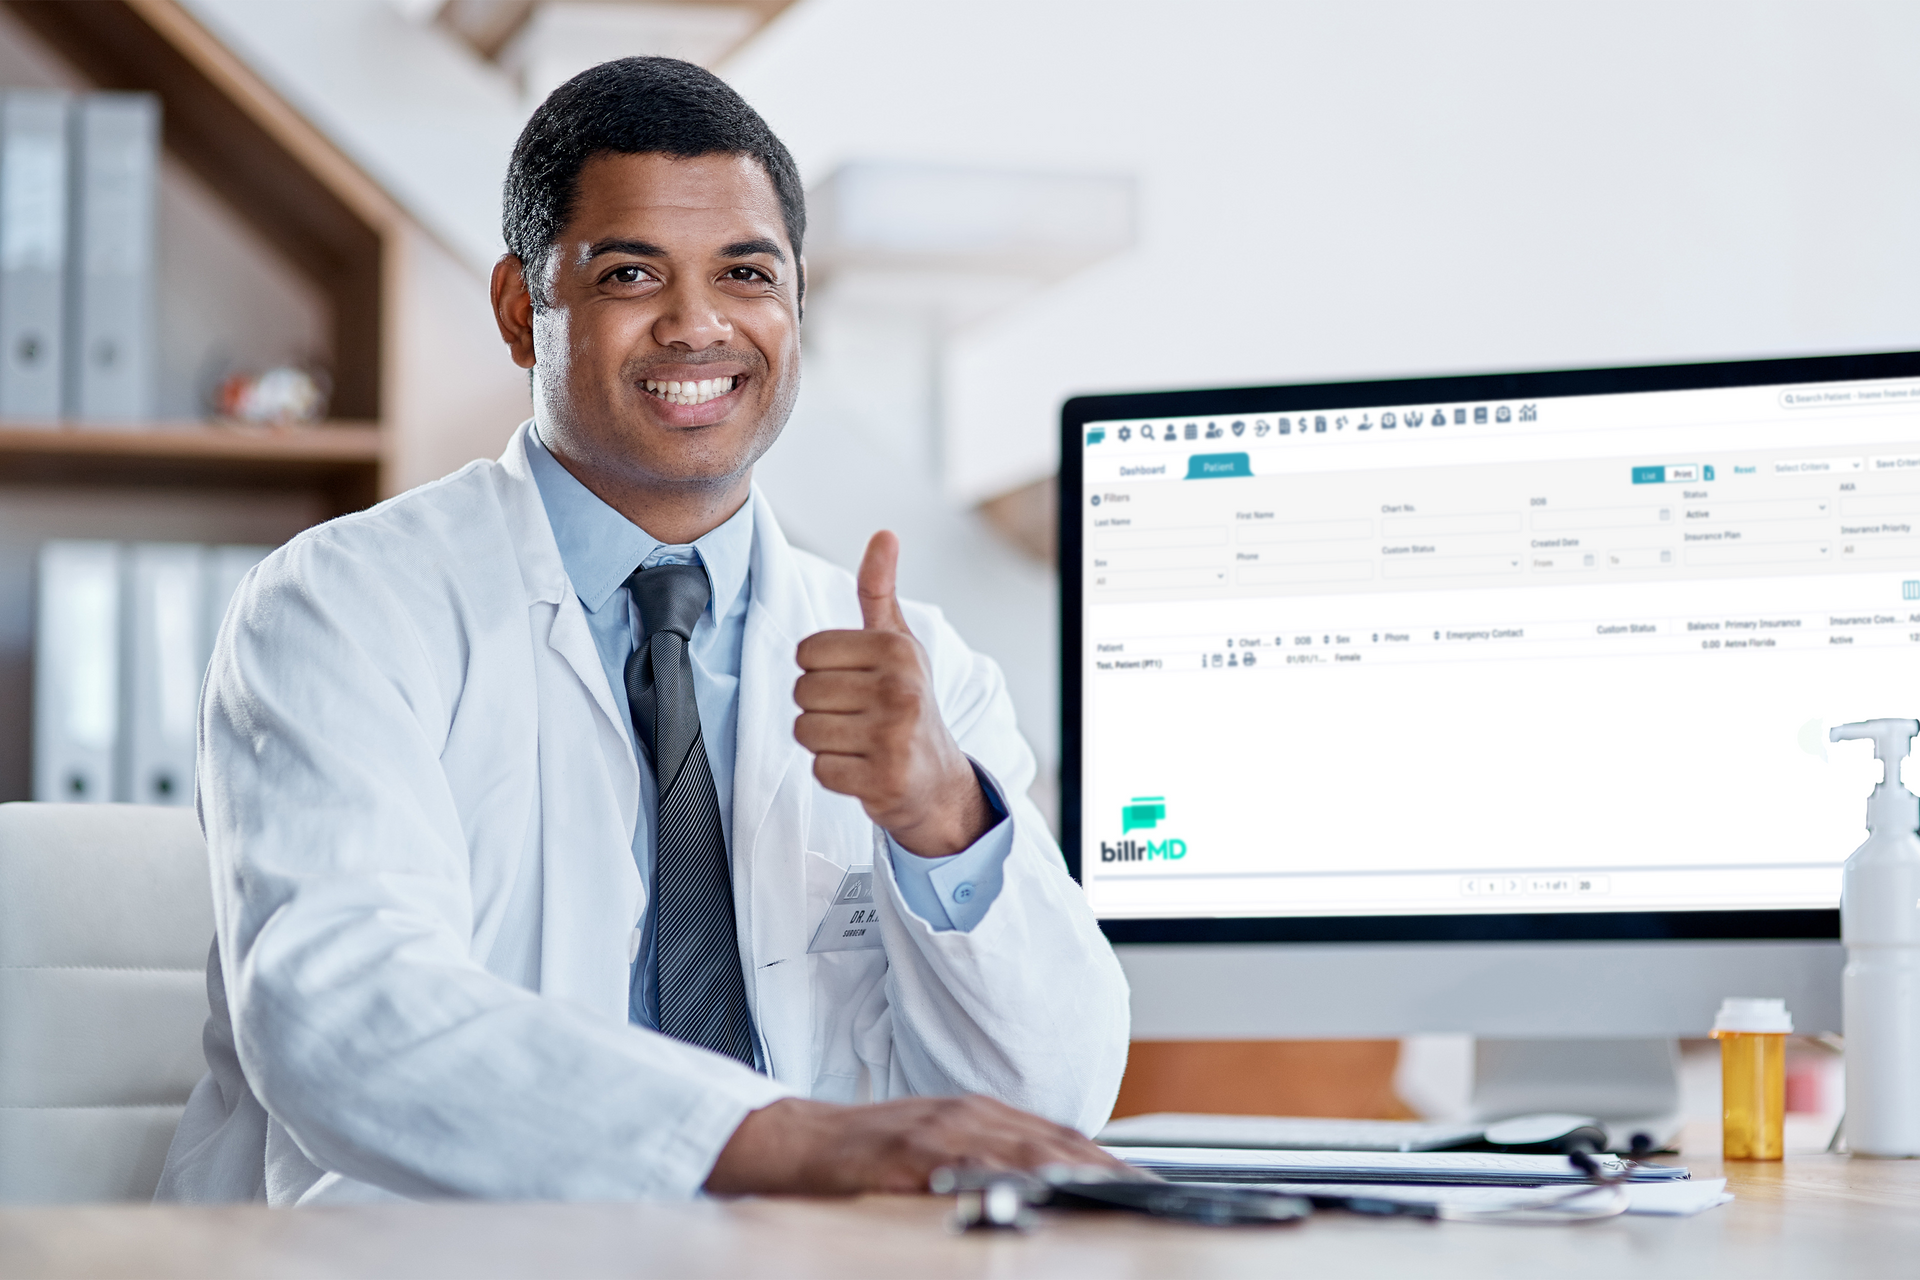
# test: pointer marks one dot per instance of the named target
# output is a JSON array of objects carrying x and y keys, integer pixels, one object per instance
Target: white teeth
[{"x": 691, "y": 393}]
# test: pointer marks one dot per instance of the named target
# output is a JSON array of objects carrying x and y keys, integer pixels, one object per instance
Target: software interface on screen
[{"x": 1560, "y": 654}]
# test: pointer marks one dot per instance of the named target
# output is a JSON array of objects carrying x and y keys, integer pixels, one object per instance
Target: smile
[{"x": 691, "y": 392}]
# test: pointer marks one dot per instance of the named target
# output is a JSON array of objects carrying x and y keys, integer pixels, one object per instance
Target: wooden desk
[{"x": 1813, "y": 1216}]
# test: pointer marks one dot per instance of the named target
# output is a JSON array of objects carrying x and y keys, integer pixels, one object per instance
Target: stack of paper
[
  {"x": 1454, "y": 1168},
  {"x": 1672, "y": 1199},
  {"x": 1272, "y": 1133},
  {"x": 1464, "y": 1182}
]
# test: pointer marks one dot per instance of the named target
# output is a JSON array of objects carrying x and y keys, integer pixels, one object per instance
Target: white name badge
[{"x": 852, "y": 923}]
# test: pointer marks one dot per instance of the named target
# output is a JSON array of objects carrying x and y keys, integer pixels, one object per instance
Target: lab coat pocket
[{"x": 846, "y": 982}]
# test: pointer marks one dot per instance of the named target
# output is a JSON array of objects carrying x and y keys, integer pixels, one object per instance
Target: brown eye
[
  {"x": 625, "y": 275},
  {"x": 746, "y": 274}
]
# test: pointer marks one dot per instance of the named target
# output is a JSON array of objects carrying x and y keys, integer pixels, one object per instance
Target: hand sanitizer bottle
[{"x": 1880, "y": 924}]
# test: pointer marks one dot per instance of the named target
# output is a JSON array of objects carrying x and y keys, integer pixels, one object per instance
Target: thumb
[{"x": 879, "y": 611}]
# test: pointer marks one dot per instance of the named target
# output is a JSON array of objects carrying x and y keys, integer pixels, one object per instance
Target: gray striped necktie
[{"x": 703, "y": 995}]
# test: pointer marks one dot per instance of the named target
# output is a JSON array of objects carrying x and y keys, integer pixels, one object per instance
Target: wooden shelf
[
  {"x": 341, "y": 459},
  {"x": 320, "y": 442},
  {"x": 413, "y": 348}
]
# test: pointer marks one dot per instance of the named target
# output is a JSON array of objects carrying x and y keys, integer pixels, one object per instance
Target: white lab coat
[{"x": 419, "y": 798}]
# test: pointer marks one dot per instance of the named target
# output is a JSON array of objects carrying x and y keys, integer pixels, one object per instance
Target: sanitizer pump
[{"x": 1880, "y": 924}]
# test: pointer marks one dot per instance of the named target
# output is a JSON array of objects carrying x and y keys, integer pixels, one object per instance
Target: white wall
[
  {"x": 415, "y": 108},
  {"x": 1378, "y": 187}
]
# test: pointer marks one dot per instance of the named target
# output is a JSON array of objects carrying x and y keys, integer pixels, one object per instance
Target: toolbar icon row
[{"x": 1319, "y": 423}]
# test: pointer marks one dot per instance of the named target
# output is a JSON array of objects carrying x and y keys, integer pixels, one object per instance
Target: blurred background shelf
[
  {"x": 340, "y": 460},
  {"x": 273, "y": 247}
]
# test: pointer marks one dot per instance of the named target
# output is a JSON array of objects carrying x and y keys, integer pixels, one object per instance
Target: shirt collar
[{"x": 599, "y": 547}]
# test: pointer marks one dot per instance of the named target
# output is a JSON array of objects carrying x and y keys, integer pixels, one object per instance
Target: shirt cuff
[{"x": 954, "y": 892}]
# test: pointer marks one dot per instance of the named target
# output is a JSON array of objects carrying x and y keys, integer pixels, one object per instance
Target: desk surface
[{"x": 1813, "y": 1215}]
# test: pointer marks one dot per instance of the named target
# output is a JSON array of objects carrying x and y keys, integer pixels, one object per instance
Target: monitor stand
[{"x": 1632, "y": 1086}]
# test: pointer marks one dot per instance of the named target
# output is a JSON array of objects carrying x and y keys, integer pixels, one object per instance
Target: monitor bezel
[{"x": 1568, "y": 926}]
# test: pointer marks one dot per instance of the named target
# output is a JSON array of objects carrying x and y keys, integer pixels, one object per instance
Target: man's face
[{"x": 668, "y": 354}]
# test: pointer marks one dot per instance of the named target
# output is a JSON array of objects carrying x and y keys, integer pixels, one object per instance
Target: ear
[
  {"x": 513, "y": 309},
  {"x": 800, "y": 296}
]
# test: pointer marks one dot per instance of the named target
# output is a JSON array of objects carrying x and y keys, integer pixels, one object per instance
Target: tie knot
[{"x": 670, "y": 597}]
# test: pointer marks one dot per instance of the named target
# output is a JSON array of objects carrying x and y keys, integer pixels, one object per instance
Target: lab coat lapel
[
  {"x": 589, "y": 801},
  {"x": 589, "y": 779},
  {"x": 570, "y": 637},
  {"x": 771, "y": 803},
  {"x": 545, "y": 576}
]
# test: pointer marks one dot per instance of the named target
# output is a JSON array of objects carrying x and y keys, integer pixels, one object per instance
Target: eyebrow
[
  {"x": 647, "y": 249},
  {"x": 751, "y": 248},
  {"x": 637, "y": 248}
]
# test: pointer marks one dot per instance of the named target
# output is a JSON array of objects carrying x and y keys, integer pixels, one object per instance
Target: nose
[{"x": 692, "y": 318}]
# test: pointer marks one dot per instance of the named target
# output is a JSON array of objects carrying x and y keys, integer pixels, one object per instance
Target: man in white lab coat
[{"x": 575, "y": 836}]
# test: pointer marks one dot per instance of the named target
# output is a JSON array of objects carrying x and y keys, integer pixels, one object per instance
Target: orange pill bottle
[{"x": 1753, "y": 1077}]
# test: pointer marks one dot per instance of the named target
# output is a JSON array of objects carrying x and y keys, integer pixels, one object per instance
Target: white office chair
[{"x": 105, "y": 920}]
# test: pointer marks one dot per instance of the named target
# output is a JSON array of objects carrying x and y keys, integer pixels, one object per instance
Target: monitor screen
[{"x": 1547, "y": 654}]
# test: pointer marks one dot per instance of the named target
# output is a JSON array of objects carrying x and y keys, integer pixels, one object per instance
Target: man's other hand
[
  {"x": 799, "y": 1147},
  {"x": 869, "y": 715}
]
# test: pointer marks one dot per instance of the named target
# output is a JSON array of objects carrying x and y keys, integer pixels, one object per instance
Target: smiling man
[{"x": 573, "y": 835}]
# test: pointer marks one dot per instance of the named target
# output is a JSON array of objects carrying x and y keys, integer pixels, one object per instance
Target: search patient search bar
[{"x": 1850, "y": 396}]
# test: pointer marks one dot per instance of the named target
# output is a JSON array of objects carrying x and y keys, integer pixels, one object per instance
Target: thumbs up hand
[{"x": 869, "y": 715}]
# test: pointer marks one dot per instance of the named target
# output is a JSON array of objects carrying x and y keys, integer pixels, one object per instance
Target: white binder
[
  {"x": 33, "y": 253},
  {"x": 163, "y": 661},
  {"x": 76, "y": 672},
  {"x": 110, "y": 356},
  {"x": 226, "y": 566}
]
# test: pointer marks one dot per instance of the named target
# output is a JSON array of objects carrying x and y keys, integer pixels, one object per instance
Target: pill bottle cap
[{"x": 1751, "y": 1016}]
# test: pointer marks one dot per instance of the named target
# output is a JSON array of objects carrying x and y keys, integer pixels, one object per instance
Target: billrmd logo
[{"x": 1142, "y": 813}]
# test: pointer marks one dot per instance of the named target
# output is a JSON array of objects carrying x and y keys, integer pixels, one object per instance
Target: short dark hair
[{"x": 631, "y": 106}]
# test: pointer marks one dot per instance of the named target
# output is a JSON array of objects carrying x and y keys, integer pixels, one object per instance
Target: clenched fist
[{"x": 868, "y": 714}]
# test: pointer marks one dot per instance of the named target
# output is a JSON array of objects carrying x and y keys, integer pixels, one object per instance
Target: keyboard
[{"x": 1285, "y": 1133}]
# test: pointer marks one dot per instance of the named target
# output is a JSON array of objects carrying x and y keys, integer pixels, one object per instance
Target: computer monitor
[{"x": 1492, "y": 704}]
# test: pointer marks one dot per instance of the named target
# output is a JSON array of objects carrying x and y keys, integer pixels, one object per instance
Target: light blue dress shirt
[{"x": 600, "y": 548}]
